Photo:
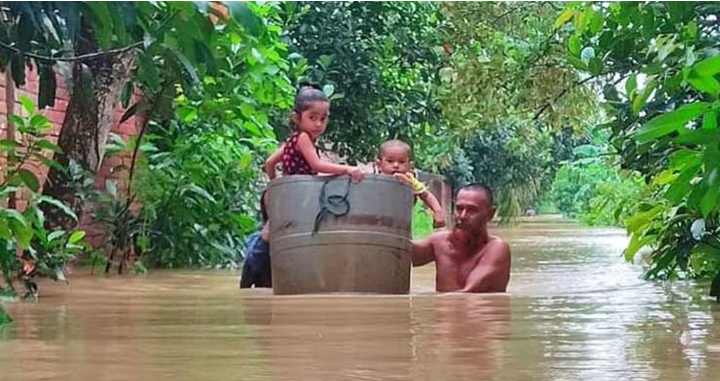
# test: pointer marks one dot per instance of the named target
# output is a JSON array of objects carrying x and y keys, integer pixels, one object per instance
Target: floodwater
[{"x": 574, "y": 311}]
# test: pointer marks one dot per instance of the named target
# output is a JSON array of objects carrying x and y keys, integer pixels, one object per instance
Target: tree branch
[
  {"x": 72, "y": 58},
  {"x": 509, "y": 11},
  {"x": 560, "y": 95}
]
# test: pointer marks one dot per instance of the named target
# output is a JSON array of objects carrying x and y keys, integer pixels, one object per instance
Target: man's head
[
  {"x": 474, "y": 207},
  {"x": 395, "y": 156}
]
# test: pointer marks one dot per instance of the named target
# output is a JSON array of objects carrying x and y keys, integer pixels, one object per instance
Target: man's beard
[{"x": 464, "y": 238}]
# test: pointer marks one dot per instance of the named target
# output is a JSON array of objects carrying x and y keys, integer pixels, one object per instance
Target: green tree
[
  {"x": 381, "y": 60},
  {"x": 99, "y": 47},
  {"x": 508, "y": 98},
  {"x": 660, "y": 65},
  {"x": 197, "y": 205}
]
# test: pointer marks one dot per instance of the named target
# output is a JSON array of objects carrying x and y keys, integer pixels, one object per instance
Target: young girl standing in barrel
[{"x": 298, "y": 154}]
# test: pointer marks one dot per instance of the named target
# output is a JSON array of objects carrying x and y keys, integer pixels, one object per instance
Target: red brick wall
[{"x": 111, "y": 167}]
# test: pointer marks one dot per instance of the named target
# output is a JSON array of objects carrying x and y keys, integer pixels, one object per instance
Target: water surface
[{"x": 574, "y": 311}]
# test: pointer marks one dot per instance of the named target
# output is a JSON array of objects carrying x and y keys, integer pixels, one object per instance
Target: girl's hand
[{"x": 356, "y": 175}]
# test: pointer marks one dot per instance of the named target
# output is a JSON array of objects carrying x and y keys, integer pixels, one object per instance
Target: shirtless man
[{"x": 467, "y": 258}]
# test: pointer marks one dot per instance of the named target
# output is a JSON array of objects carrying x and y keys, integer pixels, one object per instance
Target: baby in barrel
[{"x": 395, "y": 159}]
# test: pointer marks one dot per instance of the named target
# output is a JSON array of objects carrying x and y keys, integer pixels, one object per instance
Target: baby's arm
[
  {"x": 273, "y": 161},
  {"x": 307, "y": 149},
  {"x": 432, "y": 202},
  {"x": 428, "y": 198}
]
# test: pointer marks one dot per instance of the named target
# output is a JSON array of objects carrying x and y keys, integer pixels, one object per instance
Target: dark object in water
[{"x": 256, "y": 269}]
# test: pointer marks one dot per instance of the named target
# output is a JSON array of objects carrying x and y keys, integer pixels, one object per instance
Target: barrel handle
[{"x": 336, "y": 204}]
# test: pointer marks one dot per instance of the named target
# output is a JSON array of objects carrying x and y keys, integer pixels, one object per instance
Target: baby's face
[{"x": 394, "y": 159}]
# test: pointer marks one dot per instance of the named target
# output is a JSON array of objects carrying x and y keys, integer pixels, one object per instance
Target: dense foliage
[
  {"x": 24, "y": 234},
  {"x": 663, "y": 120},
  {"x": 381, "y": 59}
]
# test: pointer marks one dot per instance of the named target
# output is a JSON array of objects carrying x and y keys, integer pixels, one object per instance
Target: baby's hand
[
  {"x": 438, "y": 219},
  {"x": 409, "y": 179},
  {"x": 356, "y": 174}
]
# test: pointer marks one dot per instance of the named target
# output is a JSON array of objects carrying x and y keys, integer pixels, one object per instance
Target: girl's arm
[
  {"x": 273, "y": 161},
  {"x": 307, "y": 149}
]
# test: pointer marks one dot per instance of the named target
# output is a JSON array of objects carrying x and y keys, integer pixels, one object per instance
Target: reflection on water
[{"x": 574, "y": 311}]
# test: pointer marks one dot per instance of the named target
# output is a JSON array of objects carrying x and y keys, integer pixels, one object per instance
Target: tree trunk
[{"x": 96, "y": 89}]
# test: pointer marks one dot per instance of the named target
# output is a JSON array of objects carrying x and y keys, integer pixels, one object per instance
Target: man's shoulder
[
  {"x": 440, "y": 236},
  {"x": 498, "y": 247}
]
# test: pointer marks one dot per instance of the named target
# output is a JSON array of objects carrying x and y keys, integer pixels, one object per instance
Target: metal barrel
[{"x": 366, "y": 250}]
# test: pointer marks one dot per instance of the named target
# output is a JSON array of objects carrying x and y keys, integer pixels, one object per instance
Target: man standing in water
[{"x": 467, "y": 258}]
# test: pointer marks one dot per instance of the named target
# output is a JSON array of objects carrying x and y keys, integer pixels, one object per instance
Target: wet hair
[
  {"x": 479, "y": 187},
  {"x": 395, "y": 143},
  {"x": 308, "y": 93}
]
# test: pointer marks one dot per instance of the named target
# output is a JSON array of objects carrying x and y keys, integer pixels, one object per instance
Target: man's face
[{"x": 472, "y": 209}]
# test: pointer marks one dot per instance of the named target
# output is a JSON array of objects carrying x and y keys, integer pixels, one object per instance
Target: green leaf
[
  {"x": 29, "y": 178},
  {"x": 57, "y": 234},
  {"x": 76, "y": 237},
  {"x": 50, "y": 163},
  {"x": 127, "y": 94},
  {"x": 699, "y": 137},
  {"x": 58, "y": 204},
  {"x": 201, "y": 192},
  {"x": 5, "y": 232},
  {"x": 247, "y": 110},
  {"x": 564, "y": 17},
  {"x": 596, "y": 66},
  {"x": 39, "y": 122},
  {"x": 8, "y": 145},
  {"x": 671, "y": 122},
  {"x": 102, "y": 22},
  {"x": 577, "y": 63},
  {"x": 639, "y": 102},
  {"x": 665, "y": 177},
  {"x": 681, "y": 185},
  {"x": 22, "y": 232},
  {"x": 39, "y": 217},
  {"x": 574, "y": 45},
  {"x": 631, "y": 86},
  {"x": 596, "y": 22},
  {"x": 111, "y": 188},
  {"x": 186, "y": 65},
  {"x": 710, "y": 120},
  {"x": 245, "y": 16},
  {"x": 635, "y": 245},
  {"x": 708, "y": 67},
  {"x": 46, "y": 144},
  {"x": 711, "y": 199},
  {"x": 8, "y": 190},
  {"x": 328, "y": 90},
  {"x": 28, "y": 104},
  {"x": 134, "y": 109},
  {"x": 705, "y": 84},
  {"x": 641, "y": 219}
]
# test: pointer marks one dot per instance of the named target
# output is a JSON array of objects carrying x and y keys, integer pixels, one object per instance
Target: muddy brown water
[{"x": 574, "y": 311}]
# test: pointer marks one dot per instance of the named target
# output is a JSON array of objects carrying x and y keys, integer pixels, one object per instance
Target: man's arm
[
  {"x": 492, "y": 272},
  {"x": 422, "y": 251}
]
